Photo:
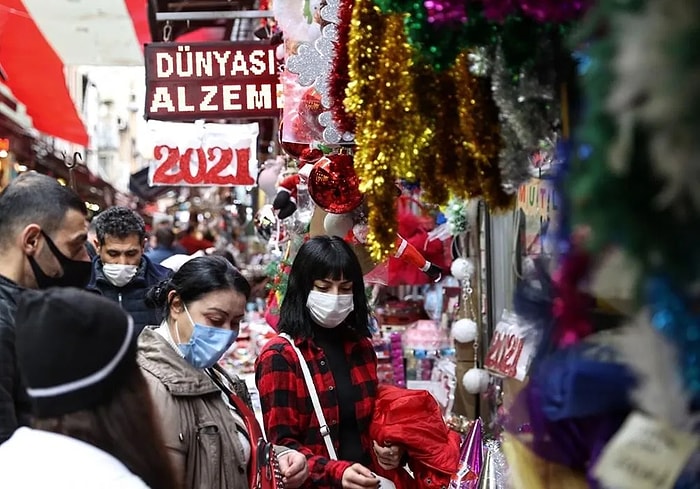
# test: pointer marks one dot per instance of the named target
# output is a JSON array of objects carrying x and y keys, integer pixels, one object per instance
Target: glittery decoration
[
  {"x": 528, "y": 112},
  {"x": 389, "y": 134},
  {"x": 540, "y": 10},
  {"x": 331, "y": 133},
  {"x": 456, "y": 213},
  {"x": 498, "y": 465},
  {"x": 480, "y": 126},
  {"x": 435, "y": 28},
  {"x": 445, "y": 13},
  {"x": 632, "y": 136},
  {"x": 554, "y": 10},
  {"x": 673, "y": 317},
  {"x": 331, "y": 11},
  {"x": 314, "y": 65},
  {"x": 339, "y": 76},
  {"x": 498, "y": 10}
]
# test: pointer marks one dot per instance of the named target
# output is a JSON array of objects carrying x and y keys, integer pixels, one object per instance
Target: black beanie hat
[{"x": 72, "y": 348}]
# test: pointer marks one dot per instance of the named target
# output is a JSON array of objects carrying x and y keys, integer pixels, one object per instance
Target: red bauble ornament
[
  {"x": 310, "y": 156},
  {"x": 292, "y": 149},
  {"x": 334, "y": 185},
  {"x": 310, "y": 107}
]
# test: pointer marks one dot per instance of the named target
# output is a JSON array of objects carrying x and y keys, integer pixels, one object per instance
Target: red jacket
[{"x": 413, "y": 419}]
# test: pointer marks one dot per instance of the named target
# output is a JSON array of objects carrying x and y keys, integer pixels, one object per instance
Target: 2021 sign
[
  {"x": 199, "y": 166},
  {"x": 511, "y": 350},
  {"x": 203, "y": 154}
]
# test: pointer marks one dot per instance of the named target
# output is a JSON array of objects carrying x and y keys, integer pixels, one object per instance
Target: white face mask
[
  {"x": 119, "y": 275},
  {"x": 329, "y": 310}
]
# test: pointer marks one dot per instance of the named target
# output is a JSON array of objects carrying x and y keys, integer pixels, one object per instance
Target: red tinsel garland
[{"x": 339, "y": 76}]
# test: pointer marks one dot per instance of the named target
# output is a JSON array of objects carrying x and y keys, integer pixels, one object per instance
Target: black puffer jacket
[
  {"x": 131, "y": 296},
  {"x": 15, "y": 406}
]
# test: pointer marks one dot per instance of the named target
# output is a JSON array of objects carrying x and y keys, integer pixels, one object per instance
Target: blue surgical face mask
[{"x": 207, "y": 344}]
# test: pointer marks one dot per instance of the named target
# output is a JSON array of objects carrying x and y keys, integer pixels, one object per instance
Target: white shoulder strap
[{"x": 325, "y": 432}]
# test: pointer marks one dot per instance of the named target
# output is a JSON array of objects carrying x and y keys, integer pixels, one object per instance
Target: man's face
[
  {"x": 70, "y": 240},
  {"x": 121, "y": 251}
]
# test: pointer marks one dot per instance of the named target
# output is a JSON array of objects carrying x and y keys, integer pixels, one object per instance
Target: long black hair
[
  {"x": 195, "y": 279},
  {"x": 322, "y": 257},
  {"x": 126, "y": 427}
]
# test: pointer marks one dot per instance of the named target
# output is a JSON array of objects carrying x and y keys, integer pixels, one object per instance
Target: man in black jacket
[
  {"x": 43, "y": 231},
  {"x": 121, "y": 271}
]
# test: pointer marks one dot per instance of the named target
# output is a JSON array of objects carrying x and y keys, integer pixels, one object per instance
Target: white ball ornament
[
  {"x": 464, "y": 330},
  {"x": 476, "y": 380},
  {"x": 462, "y": 268},
  {"x": 337, "y": 224}
]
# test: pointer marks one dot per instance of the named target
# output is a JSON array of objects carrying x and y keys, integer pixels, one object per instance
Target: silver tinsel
[
  {"x": 499, "y": 465},
  {"x": 528, "y": 112},
  {"x": 313, "y": 64}
]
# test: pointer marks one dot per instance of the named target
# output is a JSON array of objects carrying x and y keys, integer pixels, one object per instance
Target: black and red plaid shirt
[{"x": 288, "y": 414}]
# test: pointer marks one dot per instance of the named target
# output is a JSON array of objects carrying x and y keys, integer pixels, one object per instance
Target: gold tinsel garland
[
  {"x": 480, "y": 134},
  {"x": 440, "y": 128},
  {"x": 381, "y": 93}
]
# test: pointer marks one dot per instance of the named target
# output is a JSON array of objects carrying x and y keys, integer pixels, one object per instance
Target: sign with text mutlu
[{"x": 211, "y": 80}]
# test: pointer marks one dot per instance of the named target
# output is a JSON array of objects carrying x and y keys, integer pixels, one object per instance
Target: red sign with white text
[
  {"x": 203, "y": 154},
  {"x": 212, "y": 80},
  {"x": 511, "y": 350}
]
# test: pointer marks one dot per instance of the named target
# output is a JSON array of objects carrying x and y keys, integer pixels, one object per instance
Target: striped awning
[{"x": 39, "y": 38}]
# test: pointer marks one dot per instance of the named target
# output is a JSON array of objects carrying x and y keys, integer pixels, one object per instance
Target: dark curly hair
[{"x": 119, "y": 222}]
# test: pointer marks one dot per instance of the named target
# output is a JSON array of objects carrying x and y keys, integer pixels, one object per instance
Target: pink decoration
[
  {"x": 445, "y": 12},
  {"x": 498, "y": 10},
  {"x": 571, "y": 306},
  {"x": 540, "y": 10},
  {"x": 471, "y": 458},
  {"x": 554, "y": 10}
]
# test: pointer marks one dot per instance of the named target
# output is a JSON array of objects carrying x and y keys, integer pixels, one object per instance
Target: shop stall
[{"x": 521, "y": 197}]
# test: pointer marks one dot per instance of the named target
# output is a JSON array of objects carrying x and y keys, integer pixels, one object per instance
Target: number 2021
[{"x": 175, "y": 168}]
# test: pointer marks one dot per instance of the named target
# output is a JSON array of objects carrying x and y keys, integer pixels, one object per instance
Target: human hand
[
  {"x": 358, "y": 476},
  {"x": 294, "y": 468},
  {"x": 389, "y": 457}
]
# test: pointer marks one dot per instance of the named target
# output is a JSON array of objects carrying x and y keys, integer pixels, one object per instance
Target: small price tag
[{"x": 644, "y": 454}]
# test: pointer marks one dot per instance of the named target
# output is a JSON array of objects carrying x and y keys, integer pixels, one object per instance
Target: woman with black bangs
[{"x": 325, "y": 314}]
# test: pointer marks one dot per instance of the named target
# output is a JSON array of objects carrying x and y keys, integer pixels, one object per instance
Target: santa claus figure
[{"x": 285, "y": 202}]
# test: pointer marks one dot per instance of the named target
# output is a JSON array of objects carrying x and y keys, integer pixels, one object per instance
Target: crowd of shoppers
[{"x": 109, "y": 361}]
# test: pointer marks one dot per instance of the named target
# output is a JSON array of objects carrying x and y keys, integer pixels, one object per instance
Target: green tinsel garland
[{"x": 439, "y": 46}]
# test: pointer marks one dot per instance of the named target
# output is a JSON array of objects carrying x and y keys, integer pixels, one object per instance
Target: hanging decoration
[
  {"x": 389, "y": 136},
  {"x": 293, "y": 23},
  {"x": 314, "y": 63},
  {"x": 457, "y": 215},
  {"x": 333, "y": 184},
  {"x": 529, "y": 113},
  {"x": 540, "y": 10},
  {"x": 339, "y": 77},
  {"x": 433, "y": 27}
]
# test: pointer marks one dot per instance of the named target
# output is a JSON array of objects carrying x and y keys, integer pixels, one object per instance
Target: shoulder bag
[
  {"x": 263, "y": 468},
  {"x": 325, "y": 431}
]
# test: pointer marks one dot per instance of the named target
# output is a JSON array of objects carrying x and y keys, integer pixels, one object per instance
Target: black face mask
[{"x": 75, "y": 273}]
